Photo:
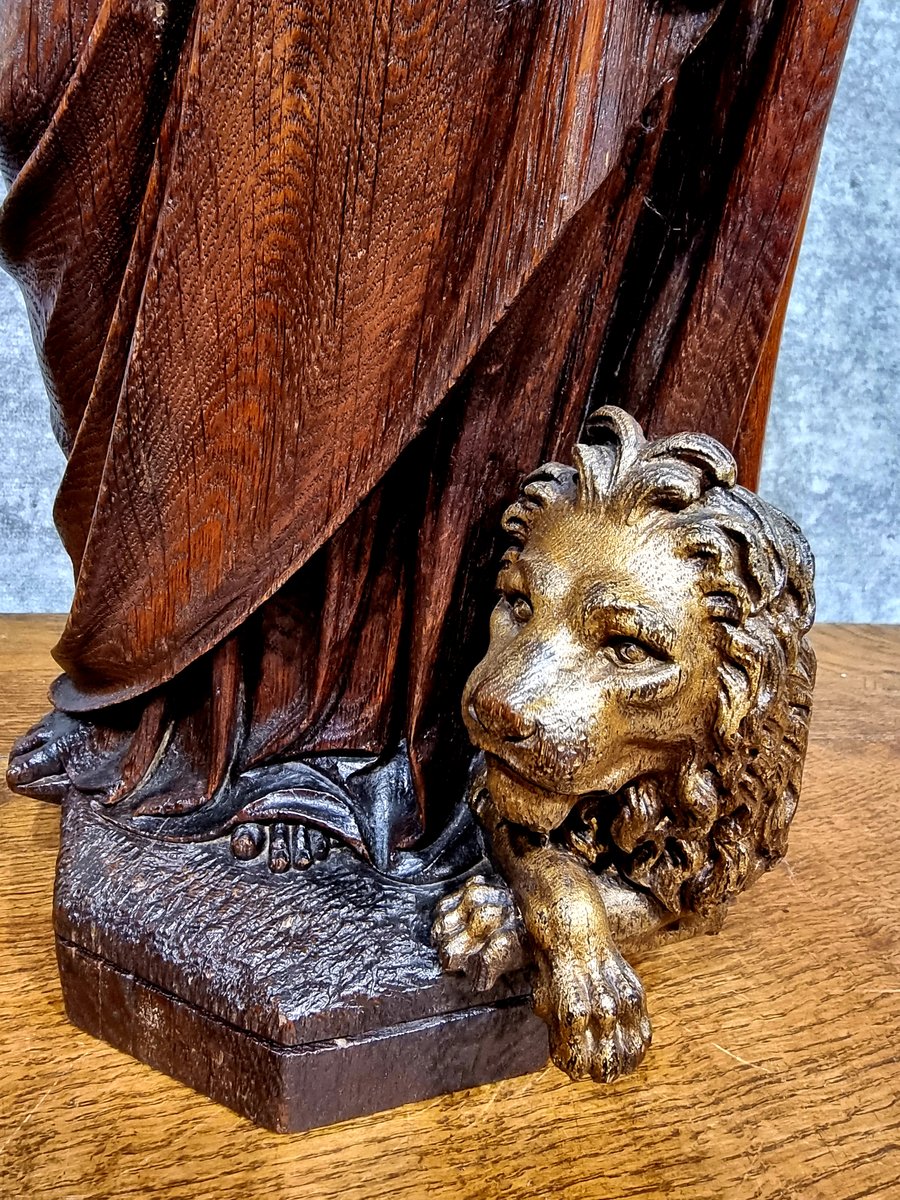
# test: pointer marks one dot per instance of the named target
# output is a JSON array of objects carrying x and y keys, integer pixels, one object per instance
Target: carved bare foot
[
  {"x": 289, "y": 844},
  {"x": 478, "y": 930},
  {"x": 596, "y": 1012},
  {"x": 38, "y": 760}
]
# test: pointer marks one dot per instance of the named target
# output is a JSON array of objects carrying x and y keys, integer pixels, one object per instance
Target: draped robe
[{"x": 312, "y": 285}]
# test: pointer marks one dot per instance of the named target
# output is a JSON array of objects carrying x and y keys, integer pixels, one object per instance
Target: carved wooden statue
[{"x": 313, "y": 286}]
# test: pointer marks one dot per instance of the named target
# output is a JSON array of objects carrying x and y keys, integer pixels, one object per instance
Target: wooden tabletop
[{"x": 774, "y": 1070}]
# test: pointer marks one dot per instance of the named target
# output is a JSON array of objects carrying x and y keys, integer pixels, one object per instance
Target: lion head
[{"x": 646, "y": 691}]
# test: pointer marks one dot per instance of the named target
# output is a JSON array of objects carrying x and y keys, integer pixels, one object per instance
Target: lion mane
[{"x": 696, "y": 840}]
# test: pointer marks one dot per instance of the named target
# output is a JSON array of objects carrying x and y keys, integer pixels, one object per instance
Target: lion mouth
[
  {"x": 529, "y": 758},
  {"x": 531, "y": 781}
]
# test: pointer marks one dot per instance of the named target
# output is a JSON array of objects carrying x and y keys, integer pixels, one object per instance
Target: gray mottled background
[{"x": 832, "y": 454}]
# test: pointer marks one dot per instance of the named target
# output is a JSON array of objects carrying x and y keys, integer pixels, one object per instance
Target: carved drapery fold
[{"x": 312, "y": 294}]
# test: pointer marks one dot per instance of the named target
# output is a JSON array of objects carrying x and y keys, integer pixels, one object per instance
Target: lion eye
[
  {"x": 521, "y": 608},
  {"x": 629, "y": 652}
]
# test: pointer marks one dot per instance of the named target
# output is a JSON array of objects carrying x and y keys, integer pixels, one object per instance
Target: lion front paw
[
  {"x": 596, "y": 1012},
  {"x": 478, "y": 930}
]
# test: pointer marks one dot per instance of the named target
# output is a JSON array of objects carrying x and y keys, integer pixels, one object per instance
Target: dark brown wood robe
[{"x": 313, "y": 284}]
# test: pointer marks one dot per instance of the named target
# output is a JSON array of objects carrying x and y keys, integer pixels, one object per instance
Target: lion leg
[
  {"x": 639, "y": 922},
  {"x": 589, "y": 996}
]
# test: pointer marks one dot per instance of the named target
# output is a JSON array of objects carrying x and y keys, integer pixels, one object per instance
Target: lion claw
[
  {"x": 597, "y": 1015},
  {"x": 478, "y": 931}
]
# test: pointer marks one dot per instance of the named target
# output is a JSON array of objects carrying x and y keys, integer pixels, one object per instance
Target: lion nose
[{"x": 500, "y": 717}]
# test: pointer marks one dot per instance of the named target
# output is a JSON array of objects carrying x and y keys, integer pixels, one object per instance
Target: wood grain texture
[
  {"x": 313, "y": 286},
  {"x": 774, "y": 1072},
  {"x": 299, "y": 257}
]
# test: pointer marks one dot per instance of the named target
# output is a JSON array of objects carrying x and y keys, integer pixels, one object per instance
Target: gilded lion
[{"x": 643, "y": 710}]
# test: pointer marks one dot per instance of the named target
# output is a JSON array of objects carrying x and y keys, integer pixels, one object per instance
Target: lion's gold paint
[{"x": 642, "y": 709}]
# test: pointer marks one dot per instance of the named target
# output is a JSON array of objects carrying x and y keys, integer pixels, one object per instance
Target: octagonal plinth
[{"x": 296, "y": 999}]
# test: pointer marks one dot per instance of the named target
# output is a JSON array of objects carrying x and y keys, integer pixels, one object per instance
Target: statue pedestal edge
[{"x": 166, "y": 952}]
